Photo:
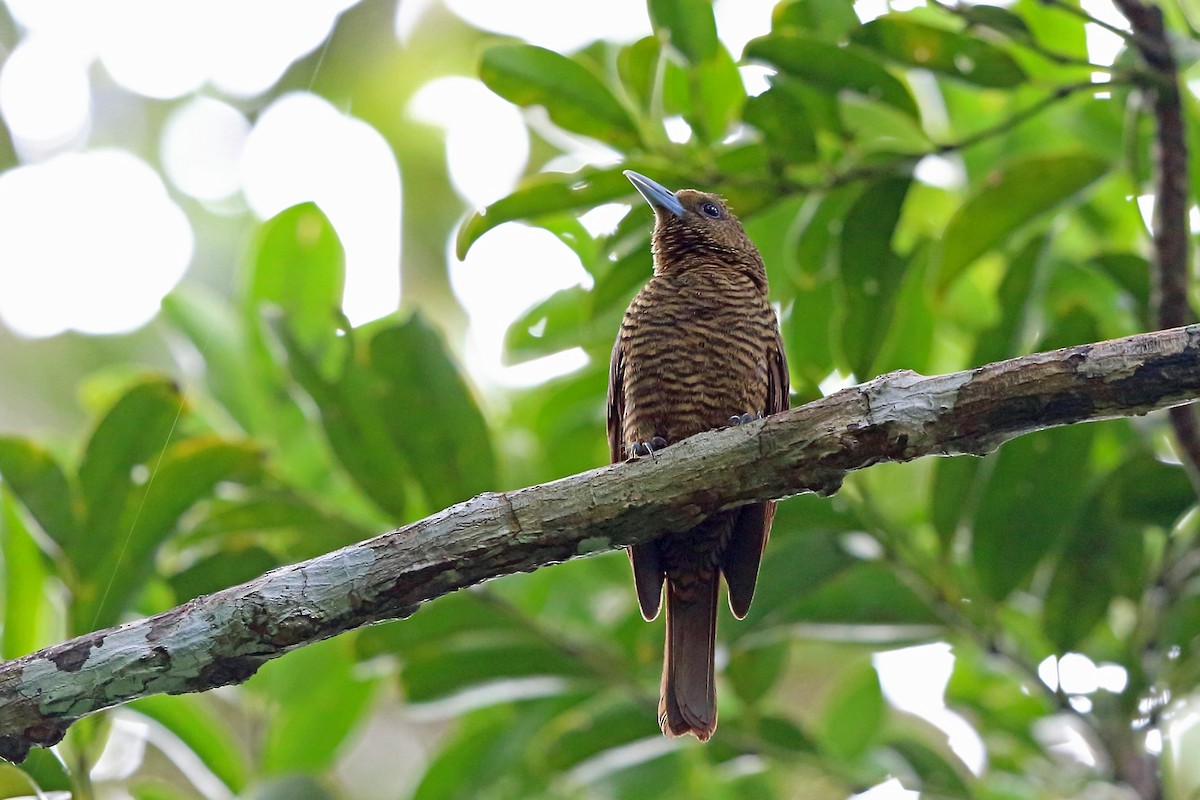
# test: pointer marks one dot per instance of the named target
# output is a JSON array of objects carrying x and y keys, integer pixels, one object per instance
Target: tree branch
[
  {"x": 1171, "y": 233},
  {"x": 222, "y": 638}
]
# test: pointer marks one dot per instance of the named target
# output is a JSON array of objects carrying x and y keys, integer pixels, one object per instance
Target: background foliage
[{"x": 932, "y": 190}]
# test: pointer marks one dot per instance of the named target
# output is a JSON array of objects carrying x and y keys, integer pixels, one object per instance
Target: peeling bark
[{"x": 222, "y": 638}]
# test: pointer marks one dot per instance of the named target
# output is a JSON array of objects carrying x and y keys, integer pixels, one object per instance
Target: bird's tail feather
[{"x": 688, "y": 703}]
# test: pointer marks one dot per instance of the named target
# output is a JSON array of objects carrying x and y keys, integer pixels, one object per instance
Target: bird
[{"x": 698, "y": 348}]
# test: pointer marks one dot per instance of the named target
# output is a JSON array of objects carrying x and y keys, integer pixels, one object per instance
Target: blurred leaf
[
  {"x": 493, "y": 749},
  {"x": 310, "y": 718},
  {"x": 779, "y": 113},
  {"x": 785, "y": 734},
  {"x": 868, "y": 593},
  {"x": 590, "y": 729},
  {"x": 447, "y": 668},
  {"x": 574, "y": 98},
  {"x": 967, "y": 58},
  {"x": 1132, "y": 273},
  {"x": 134, "y": 433},
  {"x": 278, "y": 517},
  {"x": 545, "y": 194},
  {"x": 832, "y": 68},
  {"x": 187, "y": 473},
  {"x": 688, "y": 25},
  {"x": 717, "y": 94},
  {"x": 1010, "y": 198},
  {"x": 421, "y": 394},
  {"x": 997, "y": 18},
  {"x": 995, "y": 692},
  {"x": 938, "y": 775},
  {"x": 555, "y": 324},
  {"x": 221, "y": 570},
  {"x": 22, "y": 577},
  {"x": 1104, "y": 555},
  {"x": 830, "y": 19},
  {"x": 197, "y": 722},
  {"x": 1017, "y": 295},
  {"x": 41, "y": 769},
  {"x": 1029, "y": 503},
  {"x": 651, "y": 78},
  {"x": 870, "y": 270},
  {"x": 354, "y": 426},
  {"x": 36, "y": 479},
  {"x": 851, "y": 719},
  {"x": 908, "y": 339},
  {"x": 753, "y": 671},
  {"x": 219, "y": 335},
  {"x": 953, "y": 482},
  {"x": 881, "y": 128},
  {"x": 439, "y": 622},
  {"x": 299, "y": 266},
  {"x": 291, "y": 787}
]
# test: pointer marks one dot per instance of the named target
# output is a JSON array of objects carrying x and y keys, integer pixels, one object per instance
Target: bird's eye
[{"x": 710, "y": 210}]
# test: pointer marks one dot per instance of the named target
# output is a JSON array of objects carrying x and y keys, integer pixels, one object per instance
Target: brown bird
[{"x": 699, "y": 348}]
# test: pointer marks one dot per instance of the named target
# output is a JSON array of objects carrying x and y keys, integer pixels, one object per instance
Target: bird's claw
[
  {"x": 640, "y": 449},
  {"x": 744, "y": 418}
]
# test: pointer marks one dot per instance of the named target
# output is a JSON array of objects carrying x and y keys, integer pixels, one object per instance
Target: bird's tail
[{"x": 688, "y": 703}]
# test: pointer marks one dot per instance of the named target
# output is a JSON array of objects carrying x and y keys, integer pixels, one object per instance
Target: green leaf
[
  {"x": 1007, "y": 200},
  {"x": 546, "y": 194},
  {"x": 199, "y": 724},
  {"x": 833, "y": 68},
  {"x": 1030, "y": 502},
  {"x": 23, "y": 574},
  {"x": 134, "y": 434},
  {"x": 652, "y": 79},
  {"x": 881, "y": 128},
  {"x": 574, "y": 98},
  {"x": 354, "y": 426},
  {"x": 310, "y": 718},
  {"x": 868, "y": 593},
  {"x": 558, "y": 323},
  {"x": 42, "y": 768},
  {"x": 434, "y": 673},
  {"x": 221, "y": 570},
  {"x": 967, "y": 58},
  {"x": 1104, "y": 556},
  {"x": 870, "y": 270},
  {"x": 299, "y": 265},
  {"x": 939, "y": 774},
  {"x": 431, "y": 414},
  {"x": 909, "y": 338},
  {"x": 753, "y": 671},
  {"x": 187, "y": 473},
  {"x": 687, "y": 25},
  {"x": 717, "y": 96},
  {"x": 830, "y": 19},
  {"x": 853, "y": 715},
  {"x": 275, "y": 518},
  {"x": 219, "y": 335},
  {"x": 592, "y": 728},
  {"x": 36, "y": 479},
  {"x": 781, "y": 115},
  {"x": 997, "y": 18}
]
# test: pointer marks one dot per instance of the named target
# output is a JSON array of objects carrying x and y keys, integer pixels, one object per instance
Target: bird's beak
[{"x": 657, "y": 195}]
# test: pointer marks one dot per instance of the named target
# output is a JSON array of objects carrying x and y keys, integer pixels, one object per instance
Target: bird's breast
[{"x": 695, "y": 355}]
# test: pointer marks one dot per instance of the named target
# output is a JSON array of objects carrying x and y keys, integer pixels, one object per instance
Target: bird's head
[{"x": 694, "y": 229}]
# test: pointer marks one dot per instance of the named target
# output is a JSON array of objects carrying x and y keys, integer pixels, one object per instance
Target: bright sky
[{"x": 93, "y": 239}]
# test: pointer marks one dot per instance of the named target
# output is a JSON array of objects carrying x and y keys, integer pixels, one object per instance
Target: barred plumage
[{"x": 699, "y": 344}]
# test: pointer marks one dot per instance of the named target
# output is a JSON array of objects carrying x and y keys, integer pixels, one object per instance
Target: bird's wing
[
  {"x": 743, "y": 554},
  {"x": 648, "y": 573},
  {"x": 616, "y": 403}
]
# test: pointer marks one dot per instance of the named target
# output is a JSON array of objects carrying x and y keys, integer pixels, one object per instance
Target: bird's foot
[
  {"x": 744, "y": 418},
  {"x": 641, "y": 449}
]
